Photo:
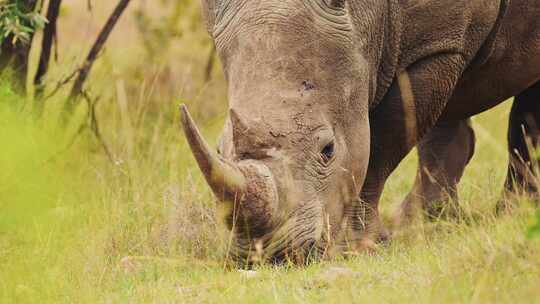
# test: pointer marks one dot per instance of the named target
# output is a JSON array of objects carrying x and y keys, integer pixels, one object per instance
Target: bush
[{"x": 18, "y": 21}]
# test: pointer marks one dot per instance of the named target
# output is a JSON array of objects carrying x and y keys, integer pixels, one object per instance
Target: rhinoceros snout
[{"x": 249, "y": 185}]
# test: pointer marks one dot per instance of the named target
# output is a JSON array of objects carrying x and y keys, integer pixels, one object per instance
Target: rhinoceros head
[{"x": 295, "y": 147}]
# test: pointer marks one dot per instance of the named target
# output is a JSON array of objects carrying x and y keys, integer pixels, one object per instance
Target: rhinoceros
[{"x": 326, "y": 97}]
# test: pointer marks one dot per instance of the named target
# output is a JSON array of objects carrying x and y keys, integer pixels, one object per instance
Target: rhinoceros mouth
[{"x": 300, "y": 239}]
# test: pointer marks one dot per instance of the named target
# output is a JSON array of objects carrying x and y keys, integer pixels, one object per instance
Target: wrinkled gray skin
[
  {"x": 326, "y": 98},
  {"x": 445, "y": 151}
]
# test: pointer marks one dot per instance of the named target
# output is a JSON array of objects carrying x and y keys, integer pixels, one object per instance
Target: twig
[
  {"x": 77, "y": 88},
  {"x": 61, "y": 83},
  {"x": 94, "y": 125}
]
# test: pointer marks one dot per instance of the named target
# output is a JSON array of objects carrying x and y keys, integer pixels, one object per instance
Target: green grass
[
  {"x": 69, "y": 218},
  {"x": 68, "y": 224}
]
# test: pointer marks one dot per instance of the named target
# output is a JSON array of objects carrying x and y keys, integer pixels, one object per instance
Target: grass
[{"x": 76, "y": 227}]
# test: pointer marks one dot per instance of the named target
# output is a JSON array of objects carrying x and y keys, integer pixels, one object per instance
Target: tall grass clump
[
  {"x": 70, "y": 214},
  {"x": 41, "y": 201}
]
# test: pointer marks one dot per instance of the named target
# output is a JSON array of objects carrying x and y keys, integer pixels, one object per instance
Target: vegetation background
[{"x": 123, "y": 215}]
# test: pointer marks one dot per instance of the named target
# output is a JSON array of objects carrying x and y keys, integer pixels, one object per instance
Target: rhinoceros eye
[
  {"x": 327, "y": 153},
  {"x": 335, "y": 3}
]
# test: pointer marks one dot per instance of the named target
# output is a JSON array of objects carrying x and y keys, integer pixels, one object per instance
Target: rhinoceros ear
[
  {"x": 209, "y": 12},
  {"x": 336, "y": 3}
]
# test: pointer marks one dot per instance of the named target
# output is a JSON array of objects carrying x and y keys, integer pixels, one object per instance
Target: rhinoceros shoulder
[{"x": 446, "y": 26}]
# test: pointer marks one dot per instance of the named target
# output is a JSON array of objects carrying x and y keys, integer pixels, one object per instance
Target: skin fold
[{"x": 327, "y": 97}]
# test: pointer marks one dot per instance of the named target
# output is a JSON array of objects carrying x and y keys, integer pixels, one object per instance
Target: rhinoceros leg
[
  {"x": 523, "y": 145},
  {"x": 411, "y": 108},
  {"x": 443, "y": 155}
]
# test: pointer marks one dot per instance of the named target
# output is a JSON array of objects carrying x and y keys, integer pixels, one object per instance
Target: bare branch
[
  {"x": 91, "y": 124},
  {"x": 94, "y": 124},
  {"x": 77, "y": 89},
  {"x": 61, "y": 83}
]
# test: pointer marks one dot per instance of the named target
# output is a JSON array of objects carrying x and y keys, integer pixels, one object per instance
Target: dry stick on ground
[
  {"x": 49, "y": 39},
  {"x": 77, "y": 89}
]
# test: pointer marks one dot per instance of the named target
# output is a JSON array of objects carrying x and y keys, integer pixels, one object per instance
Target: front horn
[{"x": 225, "y": 178}]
